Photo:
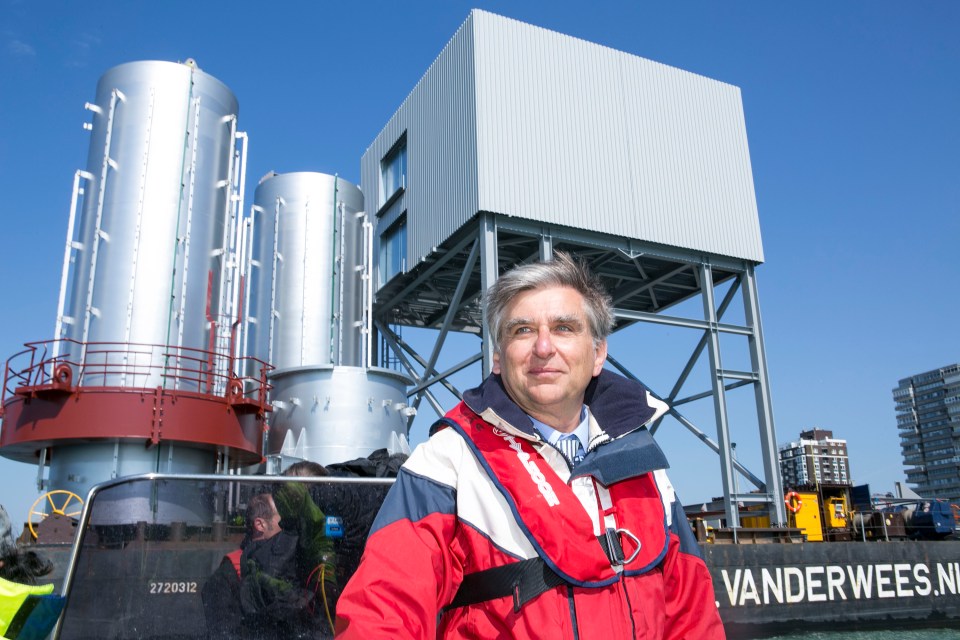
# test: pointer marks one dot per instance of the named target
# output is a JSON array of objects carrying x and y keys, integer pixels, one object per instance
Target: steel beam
[
  {"x": 768, "y": 435},
  {"x": 489, "y": 272},
  {"x": 451, "y": 313},
  {"x": 719, "y": 395}
]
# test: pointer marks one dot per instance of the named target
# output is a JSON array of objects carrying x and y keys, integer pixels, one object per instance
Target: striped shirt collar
[{"x": 551, "y": 435}]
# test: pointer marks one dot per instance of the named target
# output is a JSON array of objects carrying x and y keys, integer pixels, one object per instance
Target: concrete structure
[
  {"x": 519, "y": 141},
  {"x": 928, "y": 419},
  {"x": 816, "y": 458}
]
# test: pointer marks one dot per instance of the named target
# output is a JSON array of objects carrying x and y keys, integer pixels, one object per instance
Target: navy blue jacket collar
[
  {"x": 617, "y": 404},
  {"x": 620, "y": 409}
]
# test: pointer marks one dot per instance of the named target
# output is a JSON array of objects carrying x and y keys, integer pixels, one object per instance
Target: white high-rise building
[
  {"x": 816, "y": 458},
  {"x": 928, "y": 418}
]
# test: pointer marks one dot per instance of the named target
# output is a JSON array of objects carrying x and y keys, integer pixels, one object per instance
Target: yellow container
[{"x": 805, "y": 515}]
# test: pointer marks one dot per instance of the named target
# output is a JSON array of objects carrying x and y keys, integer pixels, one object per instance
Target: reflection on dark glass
[{"x": 174, "y": 558}]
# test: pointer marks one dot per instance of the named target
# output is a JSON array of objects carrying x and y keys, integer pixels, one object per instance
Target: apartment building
[
  {"x": 816, "y": 458},
  {"x": 928, "y": 420}
]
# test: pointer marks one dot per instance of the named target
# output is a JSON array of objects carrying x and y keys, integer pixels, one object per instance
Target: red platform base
[{"x": 49, "y": 415}]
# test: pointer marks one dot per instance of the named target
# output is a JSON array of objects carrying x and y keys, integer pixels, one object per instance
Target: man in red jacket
[{"x": 539, "y": 508}]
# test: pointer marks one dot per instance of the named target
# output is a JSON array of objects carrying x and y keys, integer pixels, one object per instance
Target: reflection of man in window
[
  {"x": 272, "y": 597},
  {"x": 260, "y": 590}
]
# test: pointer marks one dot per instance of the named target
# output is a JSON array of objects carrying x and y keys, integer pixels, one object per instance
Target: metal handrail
[{"x": 94, "y": 362}]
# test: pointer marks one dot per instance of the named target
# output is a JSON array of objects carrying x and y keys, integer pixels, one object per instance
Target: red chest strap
[{"x": 550, "y": 515}]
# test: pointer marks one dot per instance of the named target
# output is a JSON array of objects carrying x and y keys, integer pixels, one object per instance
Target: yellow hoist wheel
[{"x": 61, "y": 502}]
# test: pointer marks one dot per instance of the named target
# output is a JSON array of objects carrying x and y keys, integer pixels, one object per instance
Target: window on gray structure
[
  {"x": 393, "y": 250},
  {"x": 393, "y": 171}
]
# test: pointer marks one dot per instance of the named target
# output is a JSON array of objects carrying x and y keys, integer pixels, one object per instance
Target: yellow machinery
[
  {"x": 836, "y": 511},
  {"x": 804, "y": 510},
  {"x": 823, "y": 514},
  {"x": 59, "y": 502},
  {"x": 837, "y": 520}
]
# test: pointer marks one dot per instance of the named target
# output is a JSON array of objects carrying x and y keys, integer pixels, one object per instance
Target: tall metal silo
[
  {"x": 308, "y": 316},
  {"x": 142, "y": 374},
  {"x": 153, "y": 231},
  {"x": 307, "y": 302}
]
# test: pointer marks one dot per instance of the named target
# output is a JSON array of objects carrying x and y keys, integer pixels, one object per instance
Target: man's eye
[
  {"x": 522, "y": 330},
  {"x": 564, "y": 327}
]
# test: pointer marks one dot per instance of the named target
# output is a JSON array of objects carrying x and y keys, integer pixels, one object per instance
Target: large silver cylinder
[
  {"x": 306, "y": 296},
  {"x": 332, "y": 414},
  {"x": 152, "y": 233}
]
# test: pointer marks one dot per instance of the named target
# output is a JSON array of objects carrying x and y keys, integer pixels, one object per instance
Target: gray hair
[{"x": 562, "y": 271}]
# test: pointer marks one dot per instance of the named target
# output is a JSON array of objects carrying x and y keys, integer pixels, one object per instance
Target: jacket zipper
[
  {"x": 626, "y": 596},
  {"x": 573, "y": 613}
]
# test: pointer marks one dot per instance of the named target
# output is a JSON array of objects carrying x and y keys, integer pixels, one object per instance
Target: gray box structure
[{"x": 522, "y": 121}]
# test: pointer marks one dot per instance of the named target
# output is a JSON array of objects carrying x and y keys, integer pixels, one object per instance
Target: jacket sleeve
[
  {"x": 691, "y": 607},
  {"x": 411, "y": 566},
  {"x": 221, "y": 602}
]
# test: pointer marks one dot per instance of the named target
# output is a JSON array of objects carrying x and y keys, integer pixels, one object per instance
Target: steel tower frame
[{"x": 444, "y": 292}]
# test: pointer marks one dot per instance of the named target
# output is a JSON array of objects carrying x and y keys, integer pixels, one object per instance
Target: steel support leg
[
  {"x": 489, "y": 272},
  {"x": 546, "y": 246},
  {"x": 719, "y": 396},
  {"x": 430, "y": 367},
  {"x": 768, "y": 435}
]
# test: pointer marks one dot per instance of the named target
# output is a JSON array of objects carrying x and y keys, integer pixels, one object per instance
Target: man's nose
[{"x": 543, "y": 347}]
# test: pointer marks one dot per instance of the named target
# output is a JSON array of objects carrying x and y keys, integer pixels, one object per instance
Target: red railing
[{"x": 136, "y": 366}]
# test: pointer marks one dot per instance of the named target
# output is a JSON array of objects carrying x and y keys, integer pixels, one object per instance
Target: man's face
[
  {"x": 270, "y": 526},
  {"x": 547, "y": 356}
]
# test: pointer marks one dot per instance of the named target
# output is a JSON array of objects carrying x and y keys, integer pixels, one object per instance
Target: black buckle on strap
[{"x": 610, "y": 541}]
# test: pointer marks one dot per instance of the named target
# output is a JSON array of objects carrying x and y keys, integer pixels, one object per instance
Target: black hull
[
  {"x": 146, "y": 580},
  {"x": 765, "y": 589},
  {"x": 761, "y": 590}
]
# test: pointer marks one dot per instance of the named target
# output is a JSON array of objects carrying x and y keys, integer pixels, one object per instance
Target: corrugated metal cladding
[
  {"x": 585, "y": 136},
  {"x": 522, "y": 121},
  {"x": 439, "y": 119}
]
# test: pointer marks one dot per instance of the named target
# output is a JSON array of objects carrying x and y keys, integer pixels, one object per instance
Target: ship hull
[
  {"x": 767, "y": 588},
  {"x": 761, "y": 590},
  {"x": 146, "y": 580}
]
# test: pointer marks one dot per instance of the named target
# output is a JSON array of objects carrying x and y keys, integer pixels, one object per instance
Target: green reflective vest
[{"x": 12, "y": 595}]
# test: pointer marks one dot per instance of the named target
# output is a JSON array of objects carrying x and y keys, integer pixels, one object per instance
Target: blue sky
[{"x": 852, "y": 113}]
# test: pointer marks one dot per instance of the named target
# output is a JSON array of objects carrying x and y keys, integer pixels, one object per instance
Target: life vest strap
[{"x": 524, "y": 580}]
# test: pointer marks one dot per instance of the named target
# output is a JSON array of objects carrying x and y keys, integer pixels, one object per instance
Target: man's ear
[
  {"x": 260, "y": 524},
  {"x": 496, "y": 363},
  {"x": 600, "y": 357}
]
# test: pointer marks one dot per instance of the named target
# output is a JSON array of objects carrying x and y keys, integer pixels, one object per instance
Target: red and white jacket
[{"x": 489, "y": 491}]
